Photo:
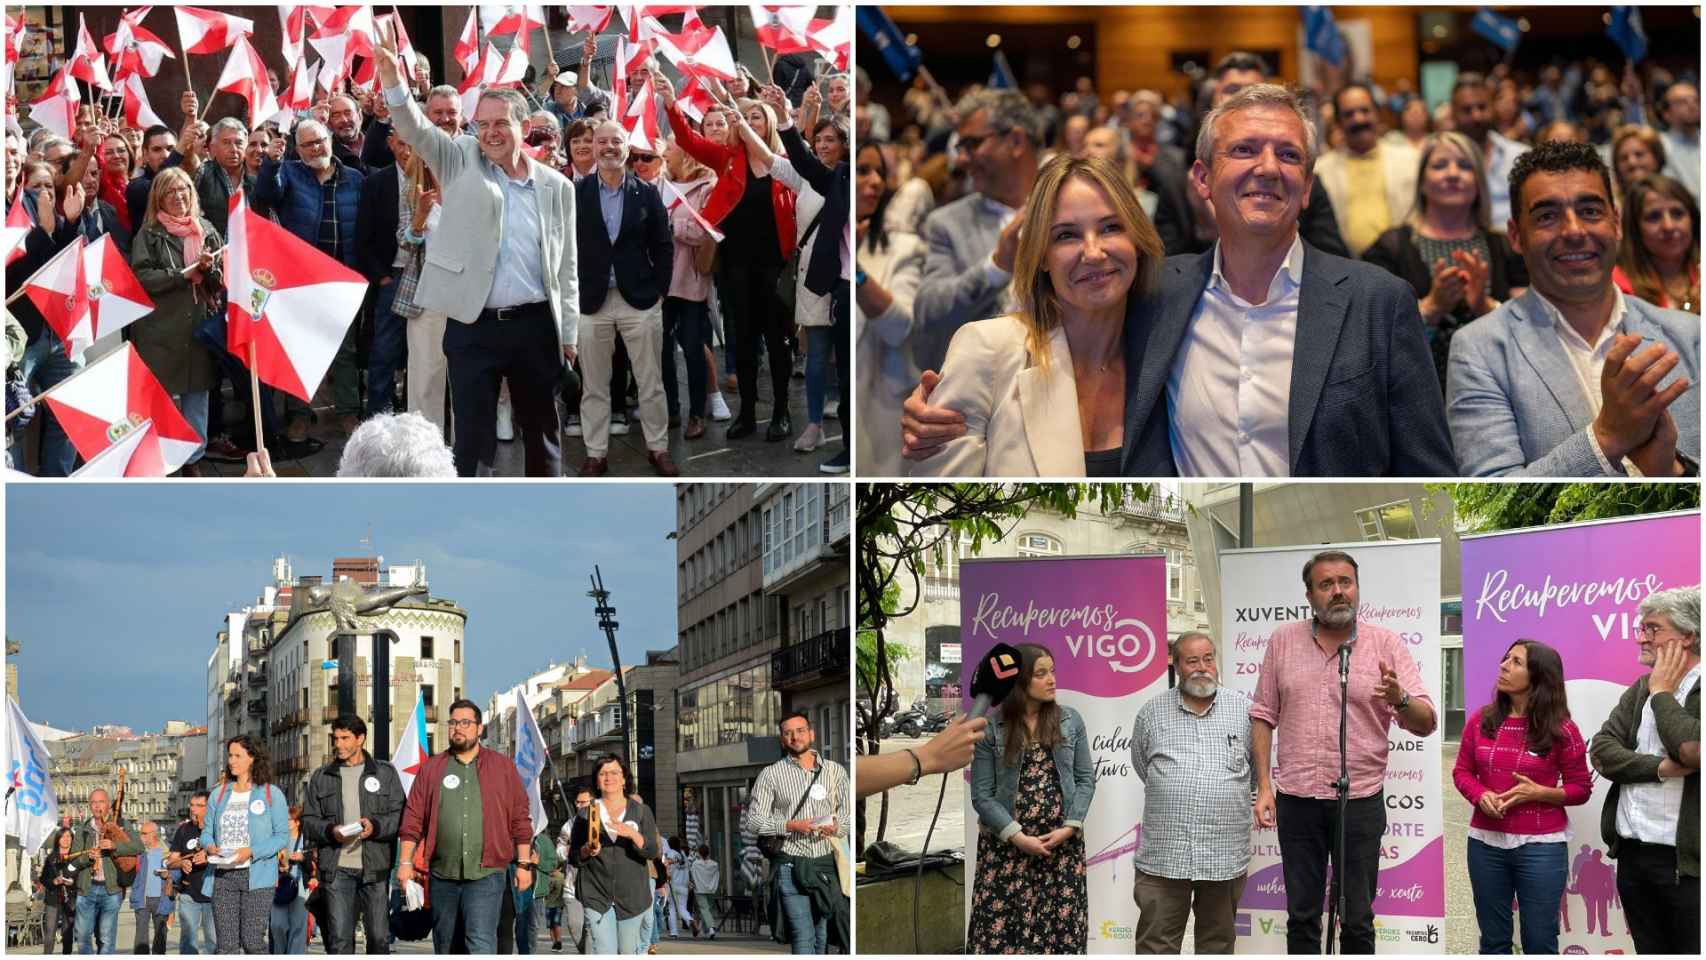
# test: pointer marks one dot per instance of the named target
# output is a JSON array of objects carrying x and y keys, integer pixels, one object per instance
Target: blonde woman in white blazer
[{"x": 1043, "y": 389}]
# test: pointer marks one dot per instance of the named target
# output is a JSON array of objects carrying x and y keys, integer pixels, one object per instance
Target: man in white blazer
[
  {"x": 501, "y": 266},
  {"x": 1372, "y": 183}
]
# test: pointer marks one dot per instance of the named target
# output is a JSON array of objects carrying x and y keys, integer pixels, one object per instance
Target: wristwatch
[{"x": 1404, "y": 702}]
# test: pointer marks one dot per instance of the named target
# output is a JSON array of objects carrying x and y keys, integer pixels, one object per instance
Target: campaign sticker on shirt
[
  {"x": 193, "y": 844},
  {"x": 372, "y": 784},
  {"x": 452, "y": 781},
  {"x": 257, "y": 808},
  {"x": 818, "y": 792}
]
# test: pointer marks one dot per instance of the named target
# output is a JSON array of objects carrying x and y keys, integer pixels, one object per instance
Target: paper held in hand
[
  {"x": 347, "y": 830},
  {"x": 223, "y": 859}
]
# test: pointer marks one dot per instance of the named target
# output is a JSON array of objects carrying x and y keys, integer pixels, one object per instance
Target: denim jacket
[
  {"x": 994, "y": 785},
  {"x": 269, "y": 832}
]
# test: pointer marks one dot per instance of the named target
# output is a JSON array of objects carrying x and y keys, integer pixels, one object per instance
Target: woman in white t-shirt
[{"x": 248, "y": 823}]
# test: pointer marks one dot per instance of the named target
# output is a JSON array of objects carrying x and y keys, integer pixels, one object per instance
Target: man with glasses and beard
[
  {"x": 803, "y": 798},
  {"x": 1190, "y": 745},
  {"x": 1371, "y": 182},
  {"x": 1298, "y": 695},
  {"x": 467, "y": 812}
]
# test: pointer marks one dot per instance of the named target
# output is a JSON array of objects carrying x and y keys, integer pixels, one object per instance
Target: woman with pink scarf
[{"x": 175, "y": 258}]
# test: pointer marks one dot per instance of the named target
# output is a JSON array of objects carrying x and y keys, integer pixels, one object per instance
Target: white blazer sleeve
[{"x": 975, "y": 375}]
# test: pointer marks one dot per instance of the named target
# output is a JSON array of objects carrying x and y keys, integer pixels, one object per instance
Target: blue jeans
[
  {"x": 97, "y": 906},
  {"x": 44, "y": 366},
  {"x": 389, "y": 353},
  {"x": 806, "y": 933},
  {"x": 194, "y": 408},
  {"x": 605, "y": 934},
  {"x": 1535, "y": 873},
  {"x": 195, "y": 926},
  {"x": 687, "y": 322},
  {"x": 288, "y": 927},
  {"x": 819, "y": 342},
  {"x": 654, "y": 923},
  {"x": 477, "y": 902}
]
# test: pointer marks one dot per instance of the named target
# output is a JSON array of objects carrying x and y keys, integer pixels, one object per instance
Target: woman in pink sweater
[{"x": 1521, "y": 762}]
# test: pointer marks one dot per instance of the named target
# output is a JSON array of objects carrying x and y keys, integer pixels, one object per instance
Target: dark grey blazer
[{"x": 1365, "y": 400}]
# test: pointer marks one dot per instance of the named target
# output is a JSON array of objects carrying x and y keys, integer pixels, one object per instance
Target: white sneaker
[
  {"x": 618, "y": 424},
  {"x": 506, "y": 423},
  {"x": 574, "y": 427},
  {"x": 719, "y": 409},
  {"x": 810, "y": 439},
  {"x": 832, "y": 409}
]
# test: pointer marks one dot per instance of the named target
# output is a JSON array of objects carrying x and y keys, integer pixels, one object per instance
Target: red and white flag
[
  {"x": 673, "y": 197},
  {"x": 116, "y": 297},
  {"x": 475, "y": 80},
  {"x": 14, "y": 41},
  {"x": 641, "y": 122},
  {"x": 703, "y": 53},
  {"x": 355, "y": 24},
  {"x": 466, "y": 53},
  {"x": 86, "y": 61},
  {"x": 299, "y": 95},
  {"x": 834, "y": 38},
  {"x": 694, "y": 100},
  {"x": 335, "y": 60},
  {"x": 18, "y": 227},
  {"x": 513, "y": 69},
  {"x": 127, "y": 453},
  {"x": 289, "y": 302},
  {"x": 135, "y": 49},
  {"x": 246, "y": 76},
  {"x": 293, "y": 24},
  {"x": 114, "y": 396},
  {"x": 60, "y": 291},
  {"x": 630, "y": 58},
  {"x": 209, "y": 31},
  {"x": 782, "y": 28},
  {"x": 593, "y": 19},
  {"x": 501, "y": 19},
  {"x": 56, "y": 108},
  {"x": 138, "y": 114}
]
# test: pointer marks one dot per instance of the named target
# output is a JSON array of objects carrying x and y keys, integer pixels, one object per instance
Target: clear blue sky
[{"x": 117, "y": 590}]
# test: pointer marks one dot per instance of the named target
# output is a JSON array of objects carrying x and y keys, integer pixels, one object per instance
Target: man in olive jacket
[
  {"x": 1649, "y": 750},
  {"x": 99, "y": 899},
  {"x": 355, "y": 870}
]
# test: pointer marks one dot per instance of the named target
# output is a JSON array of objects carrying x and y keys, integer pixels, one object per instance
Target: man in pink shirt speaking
[{"x": 1298, "y": 695}]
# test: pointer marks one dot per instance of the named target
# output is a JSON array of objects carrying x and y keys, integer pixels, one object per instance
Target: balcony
[
  {"x": 328, "y": 713},
  {"x": 941, "y": 590},
  {"x": 258, "y": 676},
  {"x": 1158, "y": 507},
  {"x": 431, "y": 713},
  {"x": 232, "y": 691},
  {"x": 811, "y": 662},
  {"x": 257, "y": 708}
]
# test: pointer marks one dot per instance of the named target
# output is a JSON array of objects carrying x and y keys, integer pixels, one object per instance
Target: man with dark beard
[
  {"x": 1190, "y": 745},
  {"x": 803, "y": 798},
  {"x": 1298, "y": 695}
]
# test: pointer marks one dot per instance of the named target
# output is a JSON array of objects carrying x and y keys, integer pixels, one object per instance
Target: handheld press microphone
[{"x": 996, "y": 676}]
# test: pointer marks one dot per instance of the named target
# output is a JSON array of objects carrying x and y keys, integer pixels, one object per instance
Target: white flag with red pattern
[
  {"x": 466, "y": 53},
  {"x": 87, "y": 64},
  {"x": 673, "y": 197},
  {"x": 135, "y": 49},
  {"x": 18, "y": 226},
  {"x": 209, "y": 31},
  {"x": 61, "y": 293},
  {"x": 116, "y": 297},
  {"x": 288, "y": 302},
  {"x": 126, "y": 454},
  {"x": 138, "y": 113},
  {"x": 246, "y": 76},
  {"x": 702, "y": 53},
  {"x": 114, "y": 396},
  {"x": 56, "y": 108},
  {"x": 641, "y": 122}
]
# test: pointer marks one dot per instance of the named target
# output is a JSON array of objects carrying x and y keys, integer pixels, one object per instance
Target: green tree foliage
[{"x": 1483, "y": 507}]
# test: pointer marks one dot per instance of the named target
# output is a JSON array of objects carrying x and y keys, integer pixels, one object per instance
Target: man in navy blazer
[
  {"x": 1574, "y": 379},
  {"x": 1265, "y": 357},
  {"x": 626, "y": 261}
]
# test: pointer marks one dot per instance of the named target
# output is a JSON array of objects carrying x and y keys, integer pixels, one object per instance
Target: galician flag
[
  {"x": 411, "y": 746},
  {"x": 32, "y": 813},
  {"x": 530, "y": 760}
]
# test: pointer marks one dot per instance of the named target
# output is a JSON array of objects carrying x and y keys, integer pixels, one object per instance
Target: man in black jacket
[
  {"x": 626, "y": 260},
  {"x": 353, "y": 808},
  {"x": 828, "y": 269},
  {"x": 376, "y": 223}
]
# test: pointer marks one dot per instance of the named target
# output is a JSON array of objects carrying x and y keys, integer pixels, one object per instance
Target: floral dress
[{"x": 1026, "y": 904}]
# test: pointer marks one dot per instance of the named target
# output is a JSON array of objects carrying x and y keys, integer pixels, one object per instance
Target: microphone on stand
[
  {"x": 1344, "y": 662},
  {"x": 996, "y": 676}
]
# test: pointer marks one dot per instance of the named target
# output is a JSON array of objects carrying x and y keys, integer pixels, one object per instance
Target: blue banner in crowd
[
  {"x": 903, "y": 58},
  {"x": 1626, "y": 31},
  {"x": 1001, "y": 75},
  {"x": 1321, "y": 35},
  {"x": 1502, "y": 31}
]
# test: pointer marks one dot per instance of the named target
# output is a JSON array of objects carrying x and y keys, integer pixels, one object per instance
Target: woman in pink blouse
[{"x": 1521, "y": 762}]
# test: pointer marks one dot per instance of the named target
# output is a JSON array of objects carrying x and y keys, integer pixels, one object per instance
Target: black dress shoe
[
  {"x": 742, "y": 427},
  {"x": 781, "y": 427}
]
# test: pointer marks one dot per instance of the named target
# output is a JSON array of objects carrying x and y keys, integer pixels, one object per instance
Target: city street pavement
[
  {"x": 684, "y": 947},
  {"x": 910, "y": 809},
  {"x": 710, "y": 455}
]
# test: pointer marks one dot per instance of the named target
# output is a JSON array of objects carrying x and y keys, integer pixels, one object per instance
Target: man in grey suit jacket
[
  {"x": 1573, "y": 379},
  {"x": 502, "y": 267},
  {"x": 973, "y": 240},
  {"x": 1265, "y": 356}
]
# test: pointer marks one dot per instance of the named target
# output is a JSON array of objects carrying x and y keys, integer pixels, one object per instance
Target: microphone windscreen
[{"x": 997, "y": 673}]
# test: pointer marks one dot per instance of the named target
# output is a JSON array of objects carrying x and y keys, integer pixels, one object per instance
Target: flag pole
[
  {"x": 255, "y": 396},
  {"x": 769, "y": 66}
]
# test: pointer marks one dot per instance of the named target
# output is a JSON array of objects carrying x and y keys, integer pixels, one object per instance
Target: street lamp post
[{"x": 607, "y": 623}]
